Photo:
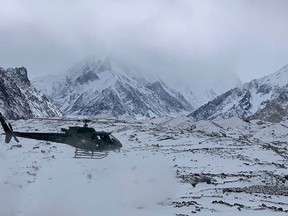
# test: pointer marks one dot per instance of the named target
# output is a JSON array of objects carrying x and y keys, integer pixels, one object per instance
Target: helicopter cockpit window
[
  {"x": 106, "y": 138},
  {"x": 111, "y": 139}
]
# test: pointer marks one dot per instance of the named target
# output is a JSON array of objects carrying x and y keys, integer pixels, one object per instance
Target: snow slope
[
  {"x": 264, "y": 98},
  {"x": 214, "y": 168}
]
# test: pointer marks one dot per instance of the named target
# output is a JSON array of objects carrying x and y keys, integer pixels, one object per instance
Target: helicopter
[{"x": 87, "y": 141}]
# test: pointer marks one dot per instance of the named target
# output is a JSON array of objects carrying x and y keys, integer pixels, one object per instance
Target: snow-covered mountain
[
  {"x": 104, "y": 86},
  {"x": 264, "y": 98},
  {"x": 44, "y": 84},
  {"x": 202, "y": 87},
  {"x": 18, "y": 98}
]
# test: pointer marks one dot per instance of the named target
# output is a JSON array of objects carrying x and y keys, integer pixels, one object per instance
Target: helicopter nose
[{"x": 119, "y": 145}]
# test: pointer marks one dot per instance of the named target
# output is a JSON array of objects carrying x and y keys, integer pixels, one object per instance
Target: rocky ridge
[{"x": 19, "y": 99}]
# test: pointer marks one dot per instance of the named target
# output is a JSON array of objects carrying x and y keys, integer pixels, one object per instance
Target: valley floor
[{"x": 167, "y": 166}]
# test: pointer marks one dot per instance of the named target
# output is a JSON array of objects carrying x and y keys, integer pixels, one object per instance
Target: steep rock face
[
  {"x": 18, "y": 98},
  {"x": 102, "y": 87},
  {"x": 263, "y": 98}
]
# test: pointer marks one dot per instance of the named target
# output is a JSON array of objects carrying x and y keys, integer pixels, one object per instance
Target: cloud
[{"x": 240, "y": 36}]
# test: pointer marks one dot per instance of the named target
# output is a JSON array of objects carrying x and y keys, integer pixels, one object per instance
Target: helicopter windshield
[
  {"x": 106, "y": 138},
  {"x": 102, "y": 137},
  {"x": 112, "y": 138}
]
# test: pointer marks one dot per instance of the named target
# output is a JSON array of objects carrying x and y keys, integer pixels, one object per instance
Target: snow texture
[{"x": 167, "y": 166}]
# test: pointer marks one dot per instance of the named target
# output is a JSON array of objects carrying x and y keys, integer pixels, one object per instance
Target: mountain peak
[
  {"x": 106, "y": 66},
  {"x": 263, "y": 98},
  {"x": 19, "y": 73},
  {"x": 278, "y": 78},
  {"x": 95, "y": 86}
]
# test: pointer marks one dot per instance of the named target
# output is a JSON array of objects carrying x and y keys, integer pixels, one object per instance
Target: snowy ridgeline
[
  {"x": 167, "y": 166},
  {"x": 105, "y": 87},
  {"x": 108, "y": 86},
  {"x": 264, "y": 98}
]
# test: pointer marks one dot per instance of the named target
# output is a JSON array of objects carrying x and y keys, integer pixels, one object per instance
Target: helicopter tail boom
[{"x": 7, "y": 127}]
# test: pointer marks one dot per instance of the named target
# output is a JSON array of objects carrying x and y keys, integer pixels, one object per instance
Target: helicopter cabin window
[{"x": 103, "y": 137}]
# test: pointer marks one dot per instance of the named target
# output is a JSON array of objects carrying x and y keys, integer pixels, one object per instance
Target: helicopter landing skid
[{"x": 80, "y": 153}]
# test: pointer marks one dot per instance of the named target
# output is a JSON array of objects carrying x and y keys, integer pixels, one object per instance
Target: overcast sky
[{"x": 246, "y": 37}]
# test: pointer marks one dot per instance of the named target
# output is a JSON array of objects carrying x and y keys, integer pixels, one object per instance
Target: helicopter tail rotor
[{"x": 7, "y": 127}]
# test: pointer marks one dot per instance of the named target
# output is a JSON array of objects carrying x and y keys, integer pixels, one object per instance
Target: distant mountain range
[
  {"x": 108, "y": 87},
  {"x": 265, "y": 98},
  {"x": 202, "y": 87},
  {"x": 18, "y": 98},
  {"x": 105, "y": 87}
]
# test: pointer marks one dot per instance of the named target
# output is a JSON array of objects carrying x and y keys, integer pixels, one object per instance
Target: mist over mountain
[
  {"x": 112, "y": 86},
  {"x": 264, "y": 98},
  {"x": 18, "y": 98},
  {"x": 44, "y": 84},
  {"x": 201, "y": 88},
  {"x": 106, "y": 87}
]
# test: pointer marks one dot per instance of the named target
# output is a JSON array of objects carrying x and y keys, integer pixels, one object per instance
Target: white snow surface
[{"x": 166, "y": 167}]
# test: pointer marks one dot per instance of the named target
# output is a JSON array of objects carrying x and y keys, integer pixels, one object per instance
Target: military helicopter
[{"x": 87, "y": 142}]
